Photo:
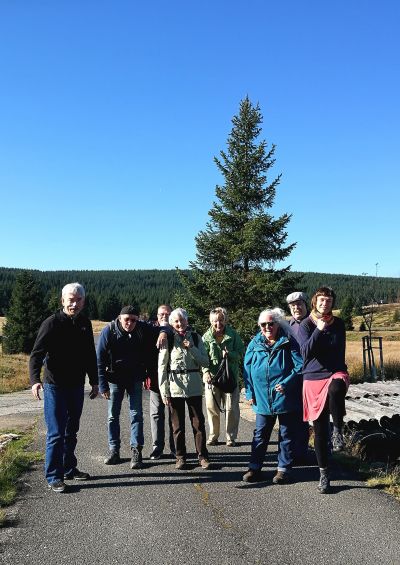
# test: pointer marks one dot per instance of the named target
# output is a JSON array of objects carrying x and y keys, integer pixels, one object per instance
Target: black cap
[{"x": 129, "y": 310}]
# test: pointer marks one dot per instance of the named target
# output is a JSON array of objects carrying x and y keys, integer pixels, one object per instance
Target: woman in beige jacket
[{"x": 180, "y": 380}]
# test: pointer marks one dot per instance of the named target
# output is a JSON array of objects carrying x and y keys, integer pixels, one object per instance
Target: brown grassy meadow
[{"x": 14, "y": 368}]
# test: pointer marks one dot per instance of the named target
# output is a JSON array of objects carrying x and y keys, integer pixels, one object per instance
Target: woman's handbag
[{"x": 223, "y": 379}]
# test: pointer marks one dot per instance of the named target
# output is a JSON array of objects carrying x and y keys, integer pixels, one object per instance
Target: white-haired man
[{"x": 65, "y": 346}]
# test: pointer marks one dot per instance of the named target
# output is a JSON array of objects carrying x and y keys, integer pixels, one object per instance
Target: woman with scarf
[
  {"x": 322, "y": 339},
  {"x": 180, "y": 380}
]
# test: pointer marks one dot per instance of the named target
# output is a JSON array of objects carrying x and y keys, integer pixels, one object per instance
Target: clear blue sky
[{"x": 111, "y": 113}]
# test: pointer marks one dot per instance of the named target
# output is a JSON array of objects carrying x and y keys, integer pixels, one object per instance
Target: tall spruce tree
[
  {"x": 237, "y": 253},
  {"x": 25, "y": 314}
]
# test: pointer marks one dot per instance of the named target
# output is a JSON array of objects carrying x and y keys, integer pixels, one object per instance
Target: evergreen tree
[
  {"x": 238, "y": 250},
  {"x": 346, "y": 312},
  {"x": 91, "y": 309},
  {"x": 54, "y": 301},
  {"x": 24, "y": 316},
  {"x": 109, "y": 307}
]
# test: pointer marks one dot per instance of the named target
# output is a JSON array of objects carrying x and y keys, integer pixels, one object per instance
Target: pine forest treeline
[{"x": 108, "y": 290}]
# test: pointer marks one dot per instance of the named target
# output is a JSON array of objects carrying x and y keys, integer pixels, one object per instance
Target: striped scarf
[{"x": 327, "y": 318}]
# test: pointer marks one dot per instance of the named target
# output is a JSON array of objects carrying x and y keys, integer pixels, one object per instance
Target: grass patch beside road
[
  {"x": 385, "y": 477},
  {"x": 14, "y": 374},
  {"x": 389, "y": 481},
  {"x": 15, "y": 459}
]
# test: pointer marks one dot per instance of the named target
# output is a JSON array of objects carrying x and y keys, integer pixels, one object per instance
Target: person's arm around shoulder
[{"x": 157, "y": 334}]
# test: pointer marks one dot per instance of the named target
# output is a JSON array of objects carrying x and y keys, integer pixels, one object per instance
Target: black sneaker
[
  {"x": 57, "y": 486},
  {"x": 324, "y": 485},
  {"x": 136, "y": 459},
  {"x": 337, "y": 441},
  {"x": 76, "y": 475},
  {"x": 113, "y": 458},
  {"x": 156, "y": 453}
]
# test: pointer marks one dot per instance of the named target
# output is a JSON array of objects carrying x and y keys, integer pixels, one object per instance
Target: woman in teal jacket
[{"x": 272, "y": 376}]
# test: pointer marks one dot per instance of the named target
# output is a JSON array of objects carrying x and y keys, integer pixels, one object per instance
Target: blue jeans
[
  {"x": 62, "y": 412},
  {"x": 262, "y": 434},
  {"x": 134, "y": 392}
]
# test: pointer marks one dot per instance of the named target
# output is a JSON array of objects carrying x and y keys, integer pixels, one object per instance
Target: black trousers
[
  {"x": 334, "y": 405},
  {"x": 195, "y": 407}
]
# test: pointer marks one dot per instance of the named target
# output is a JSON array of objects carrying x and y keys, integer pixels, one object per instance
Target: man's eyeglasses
[{"x": 265, "y": 324}]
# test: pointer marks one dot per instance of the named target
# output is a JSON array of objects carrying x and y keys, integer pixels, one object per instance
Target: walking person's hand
[{"x": 36, "y": 390}]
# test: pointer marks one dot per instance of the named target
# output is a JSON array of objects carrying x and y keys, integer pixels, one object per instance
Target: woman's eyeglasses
[{"x": 265, "y": 324}]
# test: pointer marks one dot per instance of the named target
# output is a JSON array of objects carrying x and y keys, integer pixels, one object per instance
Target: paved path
[
  {"x": 19, "y": 410},
  {"x": 162, "y": 516}
]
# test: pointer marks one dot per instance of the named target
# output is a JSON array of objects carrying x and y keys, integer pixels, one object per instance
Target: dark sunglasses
[{"x": 265, "y": 324}]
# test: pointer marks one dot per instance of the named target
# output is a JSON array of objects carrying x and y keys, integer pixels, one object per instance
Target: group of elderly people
[{"x": 294, "y": 371}]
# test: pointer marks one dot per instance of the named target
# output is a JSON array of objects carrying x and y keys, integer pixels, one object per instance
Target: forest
[{"x": 108, "y": 290}]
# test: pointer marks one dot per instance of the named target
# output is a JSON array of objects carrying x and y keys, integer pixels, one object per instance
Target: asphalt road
[{"x": 162, "y": 516}]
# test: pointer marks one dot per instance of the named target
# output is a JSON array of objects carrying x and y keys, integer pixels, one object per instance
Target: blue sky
[{"x": 111, "y": 113}]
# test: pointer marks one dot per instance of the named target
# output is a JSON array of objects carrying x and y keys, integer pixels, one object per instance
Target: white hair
[
  {"x": 73, "y": 288},
  {"x": 178, "y": 313},
  {"x": 277, "y": 314}
]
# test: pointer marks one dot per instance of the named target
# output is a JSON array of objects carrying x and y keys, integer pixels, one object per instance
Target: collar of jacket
[
  {"x": 64, "y": 317},
  {"x": 123, "y": 333},
  {"x": 261, "y": 344},
  {"x": 210, "y": 336}
]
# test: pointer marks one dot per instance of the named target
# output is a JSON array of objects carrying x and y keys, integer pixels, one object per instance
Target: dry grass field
[
  {"x": 14, "y": 368},
  {"x": 98, "y": 325},
  {"x": 13, "y": 372}
]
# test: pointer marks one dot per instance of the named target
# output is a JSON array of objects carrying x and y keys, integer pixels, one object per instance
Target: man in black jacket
[{"x": 65, "y": 346}]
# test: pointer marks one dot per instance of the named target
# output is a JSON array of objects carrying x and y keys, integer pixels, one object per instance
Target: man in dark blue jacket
[
  {"x": 297, "y": 302},
  {"x": 122, "y": 354},
  {"x": 65, "y": 346}
]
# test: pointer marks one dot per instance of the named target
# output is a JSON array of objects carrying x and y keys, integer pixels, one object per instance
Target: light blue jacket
[{"x": 265, "y": 367}]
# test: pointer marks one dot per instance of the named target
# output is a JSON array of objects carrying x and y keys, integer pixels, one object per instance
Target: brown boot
[
  {"x": 281, "y": 478},
  {"x": 180, "y": 463}
]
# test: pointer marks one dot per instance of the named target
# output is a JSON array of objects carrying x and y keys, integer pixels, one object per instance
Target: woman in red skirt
[{"x": 322, "y": 339}]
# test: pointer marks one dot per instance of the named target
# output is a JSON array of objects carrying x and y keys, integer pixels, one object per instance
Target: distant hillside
[{"x": 148, "y": 288}]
